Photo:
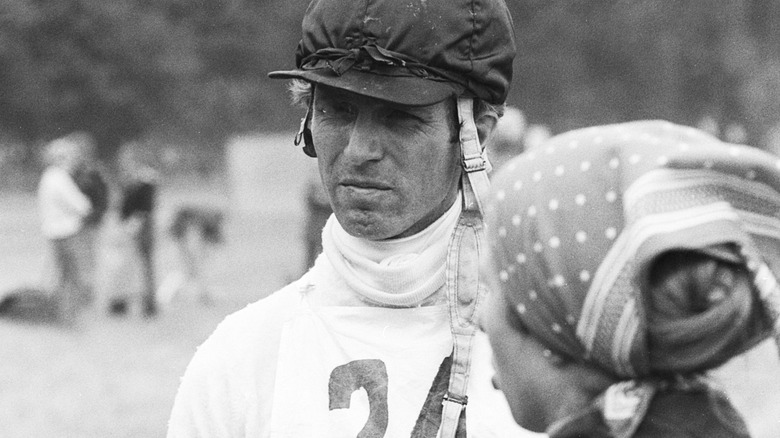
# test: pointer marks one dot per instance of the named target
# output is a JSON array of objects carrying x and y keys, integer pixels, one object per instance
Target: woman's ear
[{"x": 486, "y": 124}]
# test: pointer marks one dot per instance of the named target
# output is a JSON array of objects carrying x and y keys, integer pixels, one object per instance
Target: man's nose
[{"x": 365, "y": 140}]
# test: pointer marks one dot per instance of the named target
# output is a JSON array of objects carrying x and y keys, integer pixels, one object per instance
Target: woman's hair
[{"x": 702, "y": 310}]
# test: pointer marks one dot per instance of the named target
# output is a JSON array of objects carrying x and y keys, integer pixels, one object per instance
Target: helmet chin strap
[
  {"x": 304, "y": 133},
  {"x": 464, "y": 290},
  {"x": 476, "y": 186}
]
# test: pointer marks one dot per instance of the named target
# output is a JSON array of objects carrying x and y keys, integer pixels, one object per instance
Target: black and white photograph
[{"x": 389, "y": 219}]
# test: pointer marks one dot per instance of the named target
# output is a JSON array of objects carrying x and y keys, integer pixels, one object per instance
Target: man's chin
[{"x": 371, "y": 225}]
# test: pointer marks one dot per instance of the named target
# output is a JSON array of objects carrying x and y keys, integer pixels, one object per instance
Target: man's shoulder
[
  {"x": 250, "y": 336},
  {"x": 262, "y": 318}
]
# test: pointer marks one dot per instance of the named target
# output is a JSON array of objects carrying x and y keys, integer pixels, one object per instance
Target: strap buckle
[
  {"x": 462, "y": 400},
  {"x": 474, "y": 163}
]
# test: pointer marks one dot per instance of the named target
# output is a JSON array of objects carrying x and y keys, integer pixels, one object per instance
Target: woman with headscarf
[{"x": 625, "y": 262}]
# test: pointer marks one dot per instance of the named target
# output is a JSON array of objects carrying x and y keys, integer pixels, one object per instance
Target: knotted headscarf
[{"x": 576, "y": 224}]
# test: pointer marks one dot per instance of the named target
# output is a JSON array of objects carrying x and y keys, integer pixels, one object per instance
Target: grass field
[{"x": 117, "y": 377}]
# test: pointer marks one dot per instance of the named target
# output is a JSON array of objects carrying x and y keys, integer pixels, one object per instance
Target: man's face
[{"x": 390, "y": 170}]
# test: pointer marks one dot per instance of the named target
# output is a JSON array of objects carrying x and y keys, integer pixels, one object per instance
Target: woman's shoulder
[{"x": 692, "y": 414}]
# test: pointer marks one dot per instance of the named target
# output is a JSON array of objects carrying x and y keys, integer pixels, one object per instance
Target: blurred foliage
[
  {"x": 194, "y": 71},
  {"x": 586, "y": 62}
]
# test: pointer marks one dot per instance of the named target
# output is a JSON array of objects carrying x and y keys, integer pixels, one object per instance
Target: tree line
[{"x": 195, "y": 70}]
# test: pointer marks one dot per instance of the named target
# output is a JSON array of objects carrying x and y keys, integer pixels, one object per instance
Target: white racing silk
[{"x": 321, "y": 358}]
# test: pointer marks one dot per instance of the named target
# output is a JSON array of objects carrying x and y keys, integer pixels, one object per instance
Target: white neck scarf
[{"x": 397, "y": 272}]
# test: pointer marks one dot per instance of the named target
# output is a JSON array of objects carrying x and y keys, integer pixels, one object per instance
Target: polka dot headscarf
[{"x": 574, "y": 224}]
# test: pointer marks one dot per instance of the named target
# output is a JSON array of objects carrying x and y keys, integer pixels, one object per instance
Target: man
[
  {"x": 377, "y": 339},
  {"x": 137, "y": 206}
]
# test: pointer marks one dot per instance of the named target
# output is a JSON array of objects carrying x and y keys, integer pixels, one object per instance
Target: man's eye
[{"x": 400, "y": 115}]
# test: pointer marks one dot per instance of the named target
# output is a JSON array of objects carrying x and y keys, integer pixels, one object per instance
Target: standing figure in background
[
  {"x": 63, "y": 211},
  {"x": 535, "y": 135},
  {"x": 626, "y": 262},
  {"x": 508, "y": 140},
  {"x": 138, "y": 186},
  {"x": 196, "y": 231},
  {"x": 89, "y": 176}
]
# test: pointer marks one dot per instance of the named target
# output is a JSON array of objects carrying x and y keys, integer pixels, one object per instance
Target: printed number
[{"x": 371, "y": 374}]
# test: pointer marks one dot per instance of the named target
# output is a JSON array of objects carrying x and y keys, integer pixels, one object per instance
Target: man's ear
[{"x": 486, "y": 124}]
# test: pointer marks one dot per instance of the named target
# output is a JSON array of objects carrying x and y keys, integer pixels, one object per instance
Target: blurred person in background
[
  {"x": 735, "y": 133},
  {"x": 709, "y": 124},
  {"x": 379, "y": 337},
  {"x": 138, "y": 185},
  {"x": 772, "y": 139},
  {"x": 535, "y": 135},
  {"x": 64, "y": 210},
  {"x": 90, "y": 177},
  {"x": 196, "y": 231},
  {"x": 626, "y": 263},
  {"x": 508, "y": 140}
]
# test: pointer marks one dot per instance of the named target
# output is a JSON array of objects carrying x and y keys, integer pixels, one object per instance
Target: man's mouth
[{"x": 364, "y": 185}]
